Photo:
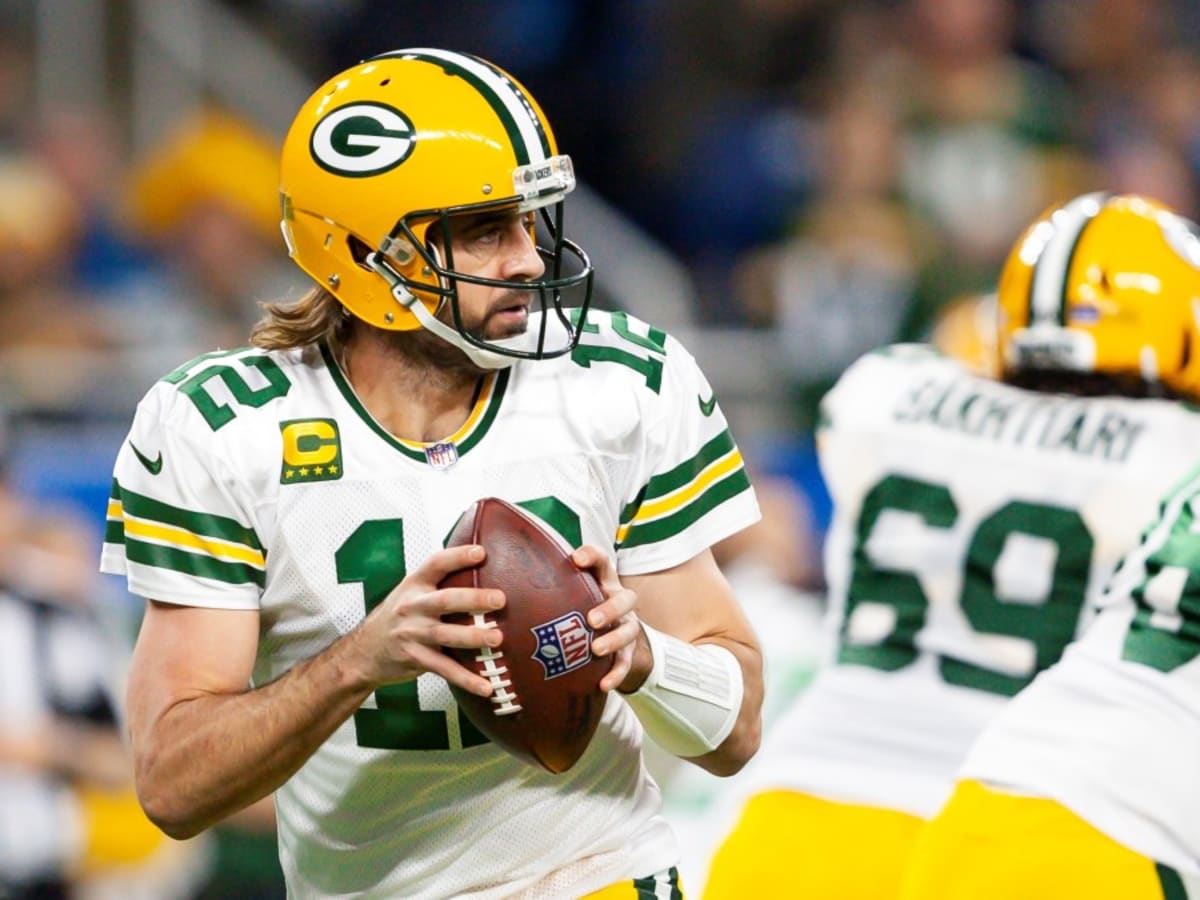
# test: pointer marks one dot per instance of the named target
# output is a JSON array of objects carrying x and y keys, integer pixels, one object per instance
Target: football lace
[{"x": 492, "y": 669}]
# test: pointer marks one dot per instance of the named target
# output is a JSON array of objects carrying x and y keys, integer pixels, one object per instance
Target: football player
[
  {"x": 1085, "y": 784},
  {"x": 976, "y": 521},
  {"x": 283, "y": 508}
]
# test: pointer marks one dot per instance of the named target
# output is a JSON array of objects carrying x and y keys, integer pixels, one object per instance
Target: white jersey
[
  {"x": 1113, "y": 731},
  {"x": 257, "y": 481},
  {"x": 974, "y": 525}
]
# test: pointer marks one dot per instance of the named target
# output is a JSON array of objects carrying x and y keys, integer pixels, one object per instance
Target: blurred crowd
[{"x": 833, "y": 175}]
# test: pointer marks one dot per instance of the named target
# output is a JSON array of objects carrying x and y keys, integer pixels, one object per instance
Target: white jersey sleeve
[
  {"x": 181, "y": 525},
  {"x": 687, "y": 487}
]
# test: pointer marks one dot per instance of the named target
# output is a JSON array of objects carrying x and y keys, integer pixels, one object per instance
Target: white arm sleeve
[{"x": 689, "y": 702}]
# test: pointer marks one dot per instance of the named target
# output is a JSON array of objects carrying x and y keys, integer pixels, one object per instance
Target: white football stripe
[
  {"x": 501, "y": 89},
  {"x": 1050, "y": 272}
]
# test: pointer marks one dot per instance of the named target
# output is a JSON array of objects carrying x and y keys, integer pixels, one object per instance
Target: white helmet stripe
[
  {"x": 1047, "y": 293},
  {"x": 530, "y": 140}
]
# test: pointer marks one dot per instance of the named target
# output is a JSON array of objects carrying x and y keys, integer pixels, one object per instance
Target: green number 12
[{"x": 373, "y": 556}]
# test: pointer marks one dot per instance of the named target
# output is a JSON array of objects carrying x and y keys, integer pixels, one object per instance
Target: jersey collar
[{"x": 483, "y": 413}]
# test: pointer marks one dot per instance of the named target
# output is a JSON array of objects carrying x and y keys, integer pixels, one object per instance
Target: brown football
[{"x": 546, "y": 703}]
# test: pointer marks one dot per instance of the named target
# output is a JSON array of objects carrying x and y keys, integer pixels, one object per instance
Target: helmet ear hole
[{"x": 359, "y": 251}]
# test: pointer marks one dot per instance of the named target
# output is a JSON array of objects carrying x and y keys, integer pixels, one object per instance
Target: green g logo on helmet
[{"x": 362, "y": 139}]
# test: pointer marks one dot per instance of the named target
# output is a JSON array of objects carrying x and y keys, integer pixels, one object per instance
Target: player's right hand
[{"x": 404, "y": 635}]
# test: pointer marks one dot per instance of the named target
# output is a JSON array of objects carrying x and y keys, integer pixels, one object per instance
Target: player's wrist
[
  {"x": 351, "y": 664},
  {"x": 689, "y": 701},
  {"x": 640, "y": 666}
]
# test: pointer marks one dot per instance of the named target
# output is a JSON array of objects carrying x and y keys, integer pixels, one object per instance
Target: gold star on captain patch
[
  {"x": 318, "y": 470},
  {"x": 303, "y": 471},
  {"x": 290, "y": 473},
  {"x": 333, "y": 470}
]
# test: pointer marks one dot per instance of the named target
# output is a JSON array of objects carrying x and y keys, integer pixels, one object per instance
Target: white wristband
[{"x": 689, "y": 702}]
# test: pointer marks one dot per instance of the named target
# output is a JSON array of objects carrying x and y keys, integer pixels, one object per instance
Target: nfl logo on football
[{"x": 564, "y": 644}]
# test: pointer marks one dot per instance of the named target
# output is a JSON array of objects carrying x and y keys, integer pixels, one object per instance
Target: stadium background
[{"x": 782, "y": 184}]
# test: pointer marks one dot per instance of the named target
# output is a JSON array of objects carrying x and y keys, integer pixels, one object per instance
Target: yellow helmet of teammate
[
  {"x": 380, "y": 158},
  {"x": 1107, "y": 284}
]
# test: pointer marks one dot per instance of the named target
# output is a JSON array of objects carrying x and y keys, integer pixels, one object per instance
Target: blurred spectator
[
  {"x": 721, "y": 140},
  {"x": 985, "y": 130},
  {"x": 204, "y": 201},
  {"x": 207, "y": 198},
  {"x": 82, "y": 148},
  {"x": 841, "y": 283},
  {"x": 38, "y": 217},
  {"x": 51, "y": 343}
]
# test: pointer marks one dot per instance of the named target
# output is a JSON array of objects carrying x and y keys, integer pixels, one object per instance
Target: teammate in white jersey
[
  {"x": 283, "y": 509},
  {"x": 1086, "y": 785},
  {"x": 975, "y": 525}
]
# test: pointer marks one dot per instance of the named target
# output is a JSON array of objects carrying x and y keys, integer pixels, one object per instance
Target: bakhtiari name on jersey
[{"x": 1048, "y": 422}]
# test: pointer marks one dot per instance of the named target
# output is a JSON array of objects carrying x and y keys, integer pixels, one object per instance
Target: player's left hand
[{"x": 618, "y": 607}]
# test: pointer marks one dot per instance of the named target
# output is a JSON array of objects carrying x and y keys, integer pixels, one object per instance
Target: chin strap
[
  {"x": 689, "y": 702},
  {"x": 485, "y": 359}
]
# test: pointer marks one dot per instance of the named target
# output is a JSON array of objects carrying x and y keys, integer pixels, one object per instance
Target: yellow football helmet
[
  {"x": 1107, "y": 284},
  {"x": 390, "y": 149}
]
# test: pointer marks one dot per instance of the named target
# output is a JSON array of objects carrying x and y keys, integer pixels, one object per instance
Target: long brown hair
[{"x": 314, "y": 317}]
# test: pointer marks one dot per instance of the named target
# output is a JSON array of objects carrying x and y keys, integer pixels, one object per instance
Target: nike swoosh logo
[
  {"x": 153, "y": 466},
  {"x": 706, "y": 406}
]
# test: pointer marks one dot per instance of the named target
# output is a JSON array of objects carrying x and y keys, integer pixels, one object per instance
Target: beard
[
  {"x": 426, "y": 349},
  {"x": 487, "y": 329}
]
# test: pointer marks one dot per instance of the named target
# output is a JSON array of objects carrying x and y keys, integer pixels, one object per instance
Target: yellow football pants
[
  {"x": 788, "y": 844},
  {"x": 991, "y": 845}
]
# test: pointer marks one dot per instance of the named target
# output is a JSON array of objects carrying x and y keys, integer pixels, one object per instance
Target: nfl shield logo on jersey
[
  {"x": 564, "y": 644},
  {"x": 442, "y": 455}
]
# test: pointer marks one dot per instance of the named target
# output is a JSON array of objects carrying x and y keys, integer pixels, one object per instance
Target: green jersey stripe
[
  {"x": 489, "y": 414},
  {"x": 1170, "y": 882},
  {"x": 658, "y": 887},
  {"x": 204, "y": 524},
  {"x": 176, "y": 560},
  {"x": 681, "y": 475},
  {"x": 114, "y": 531},
  {"x": 512, "y": 107},
  {"x": 668, "y": 526},
  {"x": 632, "y": 508}
]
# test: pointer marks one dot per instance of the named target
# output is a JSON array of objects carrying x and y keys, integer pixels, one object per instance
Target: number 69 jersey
[
  {"x": 257, "y": 481},
  {"x": 974, "y": 527}
]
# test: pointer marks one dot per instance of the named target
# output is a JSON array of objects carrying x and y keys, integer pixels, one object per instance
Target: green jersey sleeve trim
[
  {"x": 158, "y": 534},
  {"x": 673, "y": 500}
]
